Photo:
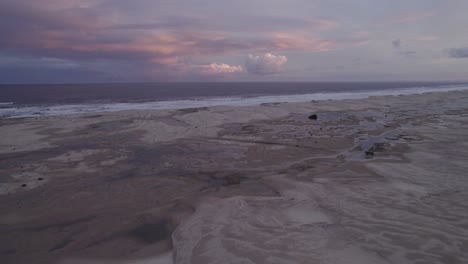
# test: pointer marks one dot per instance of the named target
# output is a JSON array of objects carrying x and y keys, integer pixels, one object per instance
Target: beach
[{"x": 375, "y": 180}]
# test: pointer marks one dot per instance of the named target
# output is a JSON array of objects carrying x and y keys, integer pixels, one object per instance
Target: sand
[{"x": 377, "y": 180}]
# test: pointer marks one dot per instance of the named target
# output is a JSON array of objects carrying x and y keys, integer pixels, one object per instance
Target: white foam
[{"x": 31, "y": 111}]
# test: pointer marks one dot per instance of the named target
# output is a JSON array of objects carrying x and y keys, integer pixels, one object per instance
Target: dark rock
[
  {"x": 24, "y": 185},
  {"x": 40, "y": 179},
  {"x": 313, "y": 117},
  {"x": 369, "y": 154}
]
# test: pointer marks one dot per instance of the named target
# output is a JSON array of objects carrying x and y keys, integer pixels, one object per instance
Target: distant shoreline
[{"x": 12, "y": 110}]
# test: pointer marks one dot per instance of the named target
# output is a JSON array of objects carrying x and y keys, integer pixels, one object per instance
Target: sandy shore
[{"x": 378, "y": 180}]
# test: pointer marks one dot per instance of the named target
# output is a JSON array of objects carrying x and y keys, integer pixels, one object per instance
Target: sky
[{"x": 79, "y": 41}]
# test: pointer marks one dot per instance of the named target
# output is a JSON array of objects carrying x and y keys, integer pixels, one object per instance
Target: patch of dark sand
[
  {"x": 61, "y": 225},
  {"x": 61, "y": 244},
  {"x": 149, "y": 231},
  {"x": 153, "y": 232},
  {"x": 223, "y": 178},
  {"x": 91, "y": 116},
  {"x": 192, "y": 110},
  {"x": 111, "y": 125},
  {"x": 8, "y": 252},
  {"x": 146, "y": 161}
]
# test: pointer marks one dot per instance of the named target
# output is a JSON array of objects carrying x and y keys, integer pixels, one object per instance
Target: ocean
[{"x": 42, "y": 100}]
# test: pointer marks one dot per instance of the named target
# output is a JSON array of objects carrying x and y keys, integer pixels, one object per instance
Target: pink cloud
[
  {"x": 212, "y": 71},
  {"x": 300, "y": 41},
  {"x": 163, "y": 48},
  {"x": 219, "y": 68},
  {"x": 74, "y": 30}
]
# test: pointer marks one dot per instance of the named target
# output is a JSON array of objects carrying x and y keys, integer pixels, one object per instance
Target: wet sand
[{"x": 377, "y": 180}]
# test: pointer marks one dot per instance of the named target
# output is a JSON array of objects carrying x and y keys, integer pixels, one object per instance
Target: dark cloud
[
  {"x": 85, "y": 34},
  {"x": 171, "y": 22},
  {"x": 24, "y": 16},
  {"x": 458, "y": 53},
  {"x": 120, "y": 38},
  {"x": 34, "y": 75}
]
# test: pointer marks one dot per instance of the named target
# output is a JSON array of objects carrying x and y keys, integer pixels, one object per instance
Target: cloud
[
  {"x": 185, "y": 70},
  {"x": 265, "y": 64},
  {"x": 33, "y": 62},
  {"x": 219, "y": 68},
  {"x": 423, "y": 38},
  {"x": 322, "y": 23},
  {"x": 458, "y": 53},
  {"x": 97, "y": 33},
  {"x": 397, "y": 43},
  {"x": 297, "y": 41},
  {"x": 87, "y": 34},
  {"x": 413, "y": 17},
  {"x": 360, "y": 34},
  {"x": 408, "y": 54},
  {"x": 362, "y": 43}
]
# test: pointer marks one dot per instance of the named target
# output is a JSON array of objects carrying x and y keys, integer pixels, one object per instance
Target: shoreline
[
  {"x": 84, "y": 108},
  {"x": 375, "y": 180}
]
